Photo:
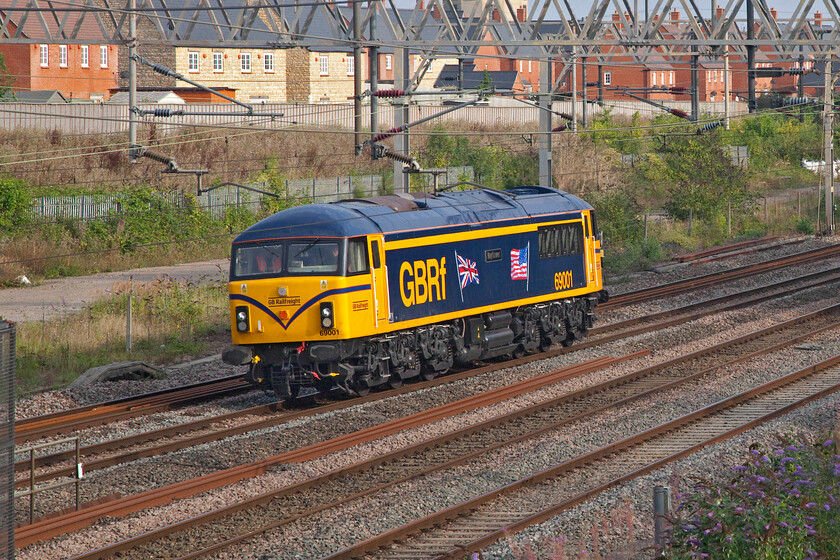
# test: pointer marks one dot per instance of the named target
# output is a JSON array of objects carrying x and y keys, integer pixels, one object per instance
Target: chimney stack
[
  {"x": 774, "y": 13},
  {"x": 496, "y": 15},
  {"x": 719, "y": 13},
  {"x": 422, "y": 4},
  {"x": 436, "y": 12},
  {"x": 675, "y": 16},
  {"x": 520, "y": 14},
  {"x": 818, "y": 18}
]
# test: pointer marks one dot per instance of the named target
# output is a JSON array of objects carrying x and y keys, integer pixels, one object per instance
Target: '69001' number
[{"x": 563, "y": 280}]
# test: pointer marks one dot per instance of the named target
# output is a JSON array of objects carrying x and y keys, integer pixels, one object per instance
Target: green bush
[{"x": 15, "y": 203}]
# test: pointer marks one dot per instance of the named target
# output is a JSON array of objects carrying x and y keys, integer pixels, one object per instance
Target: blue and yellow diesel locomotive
[{"x": 361, "y": 293}]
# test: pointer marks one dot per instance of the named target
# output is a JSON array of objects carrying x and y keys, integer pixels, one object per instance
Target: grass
[{"x": 170, "y": 320}]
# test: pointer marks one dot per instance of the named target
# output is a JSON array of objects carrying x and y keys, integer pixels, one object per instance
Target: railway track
[
  {"x": 269, "y": 511},
  {"x": 477, "y": 523},
  {"x": 64, "y": 422},
  {"x": 107, "y": 454},
  {"x": 173, "y": 438},
  {"x": 58, "y": 423}
]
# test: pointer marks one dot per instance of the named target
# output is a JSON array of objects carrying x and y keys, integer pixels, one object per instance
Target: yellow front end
[{"x": 282, "y": 310}]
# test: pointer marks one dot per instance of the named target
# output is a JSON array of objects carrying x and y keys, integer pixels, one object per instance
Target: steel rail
[
  {"x": 34, "y": 428},
  {"x": 481, "y": 521},
  {"x": 76, "y": 520},
  {"x": 98, "y": 414},
  {"x": 812, "y": 280},
  {"x": 526, "y": 423},
  {"x": 707, "y": 280}
]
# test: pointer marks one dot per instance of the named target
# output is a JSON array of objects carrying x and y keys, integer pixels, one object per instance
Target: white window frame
[
  {"x": 220, "y": 59},
  {"x": 607, "y": 78},
  {"x": 653, "y": 79},
  {"x": 529, "y": 66},
  {"x": 387, "y": 62},
  {"x": 351, "y": 66},
  {"x": 268, "y": 63},
  {"x": 520, "y": 66},
  {"x": 44, "y": 52},
  {"x": 193, "y": 57},
  {"x": 103, "y": 56},
  {"x": 85, "y": 56},
  {"x": 324, "y": 64},
  {"x": 246, "y": 63},
  {"x": 62, "y": 56}
]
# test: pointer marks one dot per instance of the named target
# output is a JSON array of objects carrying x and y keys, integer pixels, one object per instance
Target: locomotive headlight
[
  {"x": 242, "y": 322},
  {"x": 327, "y": 319}
]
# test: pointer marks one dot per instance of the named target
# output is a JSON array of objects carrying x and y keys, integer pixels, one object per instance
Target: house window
[
  {"x": 653, "y": 79},
  {"x": 351, "y": 66},
  {"x": 218, "y": 62},
  {"x": 325, "y": 64},
  {"x": 45, "y": 56},
  {"x": 192, "y": 61},
  {"x": 529, "y": 66},
  {"x": 388, "y": 63},
  {"x": 246, "y": 63},
  {"x": 671, "y": 78},
  {"x": 268, "y": 62},
  {"x": 62, "y": 56},
  {"x": 520, "y": 66},
  {"x": 85, "y": 56},
  {"x": 103, "y": 56},
  {"x": 607, "y": 78}
]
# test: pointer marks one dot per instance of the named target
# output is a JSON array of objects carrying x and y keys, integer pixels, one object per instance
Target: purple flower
[
  {"x": 739, "y": 468},
  {"x": 787, "y": 460},
  {"x": 791, "y": 448},
  {"x": 827, "y": 507},
  {"x": 809, "y": 505},
  {"x": 828, "y": 442}
]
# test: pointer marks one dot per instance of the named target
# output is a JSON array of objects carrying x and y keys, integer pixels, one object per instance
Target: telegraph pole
[
  {"x": 828, "y": 131},
  {"x": 545, "y": 122},
  {"x": 751, "y": 102},
  {"x": 133, "y": 147},
  {"x": 574, "y": 88},
  {"x": 357, "y": 75},
  {"x": 401, "y": 117},
  {"x": 374, "y": 72}
]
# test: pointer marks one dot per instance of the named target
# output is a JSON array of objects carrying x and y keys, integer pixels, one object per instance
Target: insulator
[
  {"x": 678, "y": 113},
  {"x": 797, "y": 100},
  {"x": 388, "y": 133},
  {"x": 402, "y": 158},
  {"x": 388, "y": 93},
  {"x": 560, "y": 128},
  {"x": 796, "y": 71},
  {"x": 566, "y": 116},
  {"x": 161, "y": 159},
  {"x": 708, "y": 126},
  {"x": 167, "y": 112},
  {"x": 677, "y": 89},
  {"x": 161, "y": 69}
]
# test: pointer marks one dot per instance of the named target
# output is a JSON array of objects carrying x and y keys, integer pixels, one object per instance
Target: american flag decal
[
  {"x": 467, "y": 271},
  {"x": 519, "y": 264}
]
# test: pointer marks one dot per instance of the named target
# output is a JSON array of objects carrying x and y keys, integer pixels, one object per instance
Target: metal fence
[
  {"x": 7, "y": 441},
  {"x": 217, "y": 201},
  {"x": 99, "y": 118}
]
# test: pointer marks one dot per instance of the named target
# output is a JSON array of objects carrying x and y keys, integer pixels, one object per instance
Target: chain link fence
[{"x": 7, "y": 444}]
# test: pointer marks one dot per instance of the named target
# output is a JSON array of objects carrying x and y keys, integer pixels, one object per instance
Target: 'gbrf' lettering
[{"x": 423, "y": 281}]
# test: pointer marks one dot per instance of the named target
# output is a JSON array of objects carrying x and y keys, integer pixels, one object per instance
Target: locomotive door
[
  {"x": 379, "y": 278},
  {"x": 589, "y": 244}
]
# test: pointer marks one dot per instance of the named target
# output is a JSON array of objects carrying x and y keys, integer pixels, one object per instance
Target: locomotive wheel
[
  {"x": 427, "y": 373},
  {"x": 395, "y": 381}
]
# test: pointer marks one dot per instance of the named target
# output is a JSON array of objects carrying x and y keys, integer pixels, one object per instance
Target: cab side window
[{"x": 357, "y": 256}]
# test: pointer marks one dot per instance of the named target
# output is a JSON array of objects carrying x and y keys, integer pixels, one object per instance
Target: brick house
[{"x": 78, "y": 71}]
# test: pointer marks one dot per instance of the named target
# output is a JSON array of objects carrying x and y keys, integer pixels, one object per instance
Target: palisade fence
[
  {"x": 217, "y": 201},
  {"x": 99, "y": 118},
  {"x": 7, "y": 440}
]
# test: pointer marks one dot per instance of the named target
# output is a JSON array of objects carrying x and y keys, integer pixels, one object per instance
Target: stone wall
[
  {"x": 297, "y": 75},
  {"x": 335, "y": 86},
  {"x": 258, "y": 84}
]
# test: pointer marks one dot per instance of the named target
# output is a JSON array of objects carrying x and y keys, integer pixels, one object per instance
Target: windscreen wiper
[{"x": 305, "y": 249}]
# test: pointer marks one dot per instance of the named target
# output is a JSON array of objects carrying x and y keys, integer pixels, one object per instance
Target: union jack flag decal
[{"x": 467, "y": 271}]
